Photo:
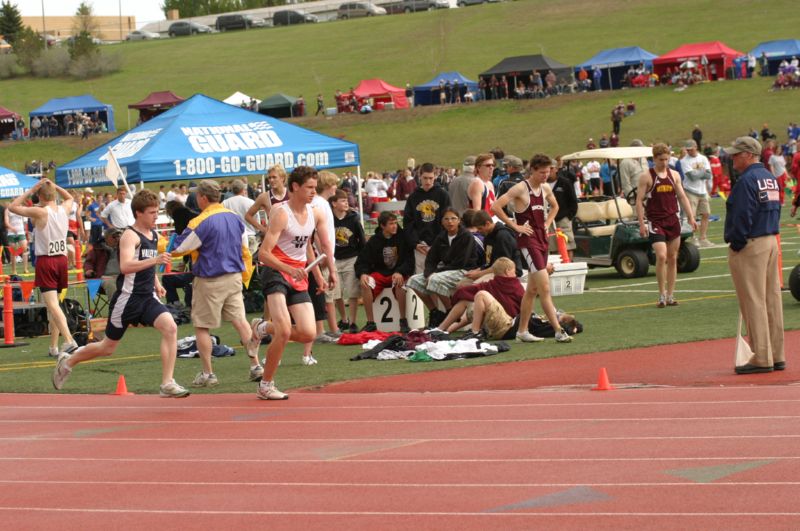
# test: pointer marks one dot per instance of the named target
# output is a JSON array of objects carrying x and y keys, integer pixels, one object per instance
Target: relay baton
[
  {"x": 170, "y": 244},
  {"x": 319, "y": 259}
]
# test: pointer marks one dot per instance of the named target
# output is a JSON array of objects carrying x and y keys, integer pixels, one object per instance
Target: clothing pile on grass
[
  {"x": 187, "y": 348},
  {"x": 420, "y": 346}
]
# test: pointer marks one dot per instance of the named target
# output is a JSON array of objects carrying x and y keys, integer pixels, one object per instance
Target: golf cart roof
[{"x": 631, "y": 152}]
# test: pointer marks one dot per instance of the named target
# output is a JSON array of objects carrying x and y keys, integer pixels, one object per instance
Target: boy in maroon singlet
[
  {"x": 527, "y": 199},
  {"x": 662, "y": 188}
]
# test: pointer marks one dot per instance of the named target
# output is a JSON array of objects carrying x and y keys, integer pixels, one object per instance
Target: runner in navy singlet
[
  {"x": 276, "y": 195},
  {"x": 527, "y": 200},
  {"x": 662, "y": 189},
  {"x": 136, "y": 300}
]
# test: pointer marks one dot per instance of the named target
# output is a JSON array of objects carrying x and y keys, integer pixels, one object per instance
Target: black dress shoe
[
  {"x": 780, "y": 365},
  {"x": 752, "y": 369}
]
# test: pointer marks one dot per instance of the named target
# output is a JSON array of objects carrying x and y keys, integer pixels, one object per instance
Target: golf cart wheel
[
  {"x": 632, "y": 263},
  {"x": 794, "y": 282},
  {"x": 688, "y": 257}
]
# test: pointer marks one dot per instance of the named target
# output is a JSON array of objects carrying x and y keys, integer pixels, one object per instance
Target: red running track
[{"x": 651, "y": 458}]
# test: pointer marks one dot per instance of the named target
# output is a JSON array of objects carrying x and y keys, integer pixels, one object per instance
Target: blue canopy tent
[
  {"x": 614, "y": 63},
  {"x": 14, "y": 184},
  {"x": 428, "y": 93},
  {"x": 86, "y": 104},
  {"x": 777, "y": 51}
]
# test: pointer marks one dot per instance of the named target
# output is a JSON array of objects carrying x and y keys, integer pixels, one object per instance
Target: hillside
[{"x": 412, "y": 48}]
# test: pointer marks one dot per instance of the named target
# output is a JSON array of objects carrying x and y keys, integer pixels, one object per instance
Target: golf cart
[{"x": 606, "y": 229}]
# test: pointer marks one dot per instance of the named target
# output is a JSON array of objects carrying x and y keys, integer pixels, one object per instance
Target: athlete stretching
[
  {"x": 284, "y": 252},
  {"x": 136, "y": 300}
]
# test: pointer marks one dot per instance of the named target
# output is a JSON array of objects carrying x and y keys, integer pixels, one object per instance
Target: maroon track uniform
[
  {"x": 276, "y": 201},
  {"x": 663, "y": 222},
  {"x": 533, "y": 248}
]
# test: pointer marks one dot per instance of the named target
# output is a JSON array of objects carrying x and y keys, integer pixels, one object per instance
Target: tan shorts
[
  {"x": 565, "y": 225},
  {"x": 348, "y": 286},
  {"x": 699, "y": 204},
  {"x": 496, "y": 320},
  {"x": 217, "y": 298}
]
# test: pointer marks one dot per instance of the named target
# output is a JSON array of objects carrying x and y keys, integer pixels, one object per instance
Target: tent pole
[
  {"x": 129, "y": 119},
  {"x": 358, "y": 191},
  {"x": 610, "y": 84}
]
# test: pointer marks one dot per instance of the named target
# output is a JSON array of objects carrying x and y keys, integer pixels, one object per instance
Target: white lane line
[
  {"x": 267, "y": 440},
  {"x": 393, "y": 460},
  {"x": 272, "y": 420},
  {"x": 686, "y": 291},
  {"x": 687, "y": 483},
  {"x": 305, "y": 513}
]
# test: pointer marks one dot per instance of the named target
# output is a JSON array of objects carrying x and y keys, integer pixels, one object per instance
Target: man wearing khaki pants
[{"x": 752, "y": 221}]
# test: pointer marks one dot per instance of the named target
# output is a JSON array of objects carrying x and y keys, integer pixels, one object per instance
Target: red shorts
[
  {"x": 664, "y": 230},
  {"x": 51, "y": 272},
  {"x": 535, "y": 259},
  {"x": 381, "y": 283}
]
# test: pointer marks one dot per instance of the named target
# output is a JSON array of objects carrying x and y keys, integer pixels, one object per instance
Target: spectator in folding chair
[{"x": 102, "y": 261}]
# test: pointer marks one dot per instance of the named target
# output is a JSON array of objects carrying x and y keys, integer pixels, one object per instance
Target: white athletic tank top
[
  {"x": 52, "y": 240},
  {"x": 16, "y": 223},
  {"x": 295, "y": 237}
]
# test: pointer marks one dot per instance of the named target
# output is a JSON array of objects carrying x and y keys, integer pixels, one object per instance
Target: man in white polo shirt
[
  {"x": 118, "y": 213},
  {"x": 697, "y": 175}
]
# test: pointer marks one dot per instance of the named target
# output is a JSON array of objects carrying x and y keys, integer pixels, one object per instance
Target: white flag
[{"x": 113, "y": 171}]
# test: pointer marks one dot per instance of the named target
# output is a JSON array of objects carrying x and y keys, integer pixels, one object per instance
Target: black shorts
[
  {"x": 71, "y": 234},
  {"x": 127, "y": 309},
  {"x": 273, "y": 282},
  {"x": 596, "y": 184},
  {"x": 664, "y": 230}
]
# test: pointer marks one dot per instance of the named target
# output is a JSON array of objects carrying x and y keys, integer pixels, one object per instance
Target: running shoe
[
  {"x": 562, "y": 336},
  {"x": 706, "y": 243},
  {"x": 256, "y": 372},
  {"x": 53, "y": 352},
  {"x": 662, "y": 301},
  {"x": 205, "y": 380},
  {"x": 328, "y": 337},
  {"x": 172, "y": 390},
  {"x": 255, "y": 338},
  {"x": 61, "y": 372},
  {"x": 527, "y": 337},
  {"x": 309, "y": 360},
  {"x": 353, "y": 328},
  {"x": 370, "y": 327},
  {"x": 268, "y": 391},
  {"x": 69, "y": 348},
  {"x": 671, "y": 301},
  {"x": 343, "y": 326}
]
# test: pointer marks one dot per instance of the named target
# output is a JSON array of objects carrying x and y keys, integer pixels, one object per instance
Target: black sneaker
[
  {"x": 404, "y": 328},
  {"x": 343, "y": 326},
  {"x": 480, "y": 335},
  {"x": 353, "y": 328},
  {"x": 370, "y": 327}
]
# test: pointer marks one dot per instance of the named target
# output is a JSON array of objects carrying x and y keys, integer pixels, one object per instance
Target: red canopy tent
[
  {"x": 381, "y": 93},
  {"x": 8, "y": 121},
  {"x": 154, "y": 104},
  {"x": 717, "y": 53}
]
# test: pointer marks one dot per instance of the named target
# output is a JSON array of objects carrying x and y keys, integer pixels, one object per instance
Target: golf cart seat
[{"x": 600, "y": 218}]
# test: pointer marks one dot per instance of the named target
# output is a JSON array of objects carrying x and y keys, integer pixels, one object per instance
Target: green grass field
[
  {"x": 306, "y": 60},
  {"x": 413, "y": 48},
  {"x": 616, "y": 314}
]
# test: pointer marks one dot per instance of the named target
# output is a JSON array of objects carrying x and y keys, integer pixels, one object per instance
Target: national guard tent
[
  {"x": 14, "y": 184},
  {"x": 777, "y": 51},
  {"x": 614, "y": 64},
  {"x": 206, "y": 138},
  {"x": 86, "y": 104},
  {"x": 278, "y": 106},
  {"x": 428, "y": 93}
]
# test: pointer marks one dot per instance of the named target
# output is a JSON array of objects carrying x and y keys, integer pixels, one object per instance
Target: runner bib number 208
[{"x": 56, "y": 248}]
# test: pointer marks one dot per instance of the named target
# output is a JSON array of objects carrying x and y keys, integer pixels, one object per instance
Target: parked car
[
  {"x": 4, "y": 46},
  {"x": 424, "y": 5},
  {"x": 288, "y": 17},
  {"x": 71, "y": 39},
  {"x": 238, "y": 21},
  {"x": 187, "y": 28},
  {"x": 358, "y": 9},
  {"x": 463, "y": 3},
  {"x": 142, "y": 35}
]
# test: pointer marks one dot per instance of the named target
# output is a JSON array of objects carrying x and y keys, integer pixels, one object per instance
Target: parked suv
[
  {"x": 288, "y": 17},
  {"x": 359, "y": 9},
  {"x": 187, "y": 28},
  {"x": 424, "y": 5},
  {"x": 237, "y": 21}
]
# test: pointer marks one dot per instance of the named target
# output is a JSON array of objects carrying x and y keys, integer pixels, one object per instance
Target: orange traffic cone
[
  {"x": 602, "y": 382},
  {"x": 122, "y": 388}
]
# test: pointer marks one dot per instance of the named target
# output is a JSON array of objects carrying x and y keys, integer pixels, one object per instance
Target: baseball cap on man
[
  {"x": 689, "y": 144},
  {"x": 469, "y": 161},
  {"x": 744, "y": 144},
  {"x": 512, "y": 161},
  {"x": 637, "y": 143}
]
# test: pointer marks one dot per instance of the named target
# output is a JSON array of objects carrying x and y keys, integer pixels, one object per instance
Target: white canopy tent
[{"x": 238, "y": 98}]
